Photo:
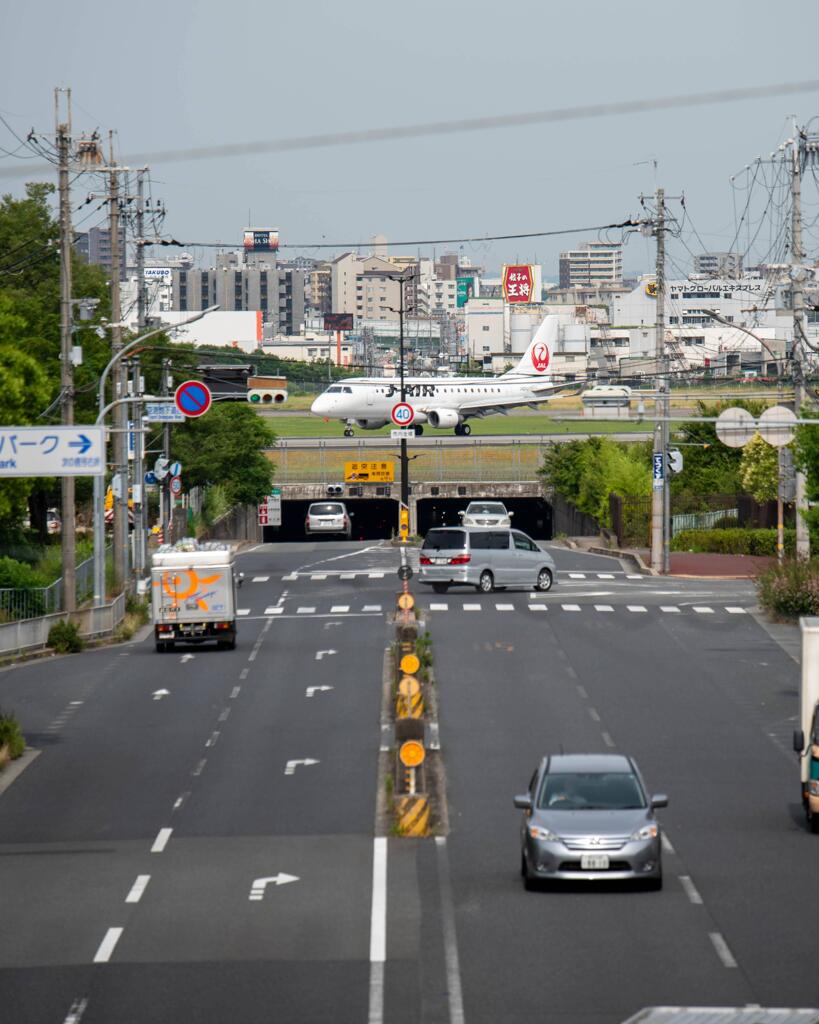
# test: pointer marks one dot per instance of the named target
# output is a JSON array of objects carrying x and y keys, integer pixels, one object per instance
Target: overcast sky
[{"x": 185, "y": 74}]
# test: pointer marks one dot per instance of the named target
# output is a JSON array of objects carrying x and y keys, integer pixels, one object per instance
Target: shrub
[
  {"x": 790, "y": 589},
  {"x": 19, "y": 575},
  {"x": 64, "y": 637},
  {"x": 138, "y": 608},
  {"x": 733, "y": 541},
  {"x": 10, "y": 735}
]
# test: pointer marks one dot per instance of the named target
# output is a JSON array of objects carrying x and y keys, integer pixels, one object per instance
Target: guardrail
[
  {"x": 30, "y": 602},
  {"x": 32, "y": 634}
]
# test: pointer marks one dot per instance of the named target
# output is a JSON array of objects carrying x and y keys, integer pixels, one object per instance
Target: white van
[{"x": 484, "y": 558}]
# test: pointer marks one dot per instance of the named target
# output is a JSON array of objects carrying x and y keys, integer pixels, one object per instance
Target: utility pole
[
  {"x": 799, "y": 332},
  {"x": 404, "y": 461},
  {"x": 68, "y": 537},
  {"x": 165, "y": 506},
  {"x": 660, "y": 493},
  {"x": 119, "y": 378},
  {"x": 139, "y": 436}
]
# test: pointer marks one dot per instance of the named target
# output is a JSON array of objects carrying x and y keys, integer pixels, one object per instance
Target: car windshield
[
  {"x": 486, "y": 508},
  {"x": 592, "y": 791},
  {"x": 445, "y": 540},
  {"x": 326, "y": 509}
]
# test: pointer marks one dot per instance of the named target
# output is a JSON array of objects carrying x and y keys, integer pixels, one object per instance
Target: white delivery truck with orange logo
[{"x": 193, "y": 594}]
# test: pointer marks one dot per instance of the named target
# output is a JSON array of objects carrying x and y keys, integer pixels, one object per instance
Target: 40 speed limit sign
[{"x": 402, "y": 414}]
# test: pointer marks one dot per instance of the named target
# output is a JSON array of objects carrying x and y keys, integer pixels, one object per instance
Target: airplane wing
[{"x": 538, "y": 392}]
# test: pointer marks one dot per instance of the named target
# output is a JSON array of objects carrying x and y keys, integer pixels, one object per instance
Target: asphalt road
[{"x": 130, "y": 847}]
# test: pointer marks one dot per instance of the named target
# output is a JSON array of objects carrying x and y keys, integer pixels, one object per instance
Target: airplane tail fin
[{"x": 537, "y": 357}]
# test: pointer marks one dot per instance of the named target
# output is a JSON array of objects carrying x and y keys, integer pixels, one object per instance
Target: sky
[{"x": 189, "y": 74}]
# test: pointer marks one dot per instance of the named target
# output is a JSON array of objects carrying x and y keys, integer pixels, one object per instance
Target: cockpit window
[
  {"x": 347, "y": 391},
  {"x": 335, "y": 390}
]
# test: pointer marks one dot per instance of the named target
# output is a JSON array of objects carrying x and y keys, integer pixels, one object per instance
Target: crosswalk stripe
[
  {"x": 604, "y": 608},
  {"x": 570, "y": 607},
  {"x": 347, "y": 576},
  {"x": 538, "y": 607},
  {"x": 636, "y": 607},
  {"x": 736, "y": 611},
  {"x": 605, "y": 576},
  {"x": 505, "y": 607},
  {"x": 669, "y": 608},
  {"x": 305, "y": 611},
  {"x": 274, "y": 610},
  {"x": 703, "y": 610},
  {"x": 633, "y": 576},
  {"x": 371, "y": 608},
  {"x": 439, "y": 607},
  {"x": 292, "y": 576},
  {"x": 472, "y": 607},
  {"x": 243, "y": 611},
  {"x": 577, "y": 575},
  {"x": 260, "y": 579},
  {"x": 318, "y": 576},
  {"x": 375, "y": 575},
  {"x": 339, "y": 609}
]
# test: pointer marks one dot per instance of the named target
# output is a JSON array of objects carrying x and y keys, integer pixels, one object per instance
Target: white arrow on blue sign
[{"x": 52, "y": 451}]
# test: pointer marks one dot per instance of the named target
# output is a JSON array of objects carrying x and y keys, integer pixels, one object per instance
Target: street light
[{"x": 99, "y": 482}]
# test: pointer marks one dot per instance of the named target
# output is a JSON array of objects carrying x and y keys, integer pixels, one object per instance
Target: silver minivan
[{"x": 485, "y": 558}]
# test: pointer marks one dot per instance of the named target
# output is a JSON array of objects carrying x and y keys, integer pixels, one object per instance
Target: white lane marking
[
  {"x": 346, "y": 576},
  {"x": 378, "y": 931},
  {"x": 159, "y": 694},
  {"x": 243, "y": 611},
  {"x": 214, "y": 737},
  {"x": 311, "y": 690},
  {"x": 633, "y": 576},
  {"x": 703, "y": 610},
  {"x": 186, "y": 657},
  {"x": 593, "y": 715},
  {"x": 607, "y": 739},
  {"x": 604, "y": 608},
  {"x": 371, "y": 608},
  {"x": 318, "y": 576},
  {"x": 577, "y": 575},
  {"x": 200, "y": 767},
  {"x": 722, "y": 950},
  {"x": 76, "y": 1010},
  {"x": 605, "y": 576},
  {"x": 669, "y": 608},
  {"x": 103, "y": 954},
  {"x": 636, "y": 607},
  {"x": 138, "y": 888},
  {"x": 581, "y": 692},
  {"x": 439, "y": 607},
  {"x": 257, "y": 890},
  {"x": 375, "y": 575},
  {"x": 244, "y": 673},
  {"x": 253, "y": 653},
  {"x": 472, "y": 608},
  {"x": 291, "y": 576},
  {"x": 339, "y": 609},
  {"x": 260, "y": 579},
  {"x": 291, "y": 766},
  {"x": 451, "y": 959},
  {"x": 320, "y": 655},
  {"x": 161, "y": 841},
  {"x": 234, "y": 693},
  {"x": 305, "y": 611},
  {"x": 504, "y": 607},
  {"x": 537, "y": 607},
  {"x": 736, "y": 611},
  {"x": 570, "y": 607},
  {"x": 691, "y": 890},
  {"x": 667, "y": 845},
  {"x": 224, "y": 716},
  {"x": 273, "y": 610},
  {"x": 180, "y": 800},
  {"x": 75, "y": 703}
]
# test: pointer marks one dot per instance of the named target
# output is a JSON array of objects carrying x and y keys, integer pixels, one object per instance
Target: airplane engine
[
  {"x": 370, "y": 424},
  {"x": 443, "y": 418}
]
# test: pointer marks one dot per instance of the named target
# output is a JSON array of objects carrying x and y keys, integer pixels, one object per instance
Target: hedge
[
  {"x": 790, "y": 589},
  {"x": 733, "y": 541}
]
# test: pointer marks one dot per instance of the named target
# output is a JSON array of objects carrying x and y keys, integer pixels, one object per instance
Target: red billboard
[
  {"x": 519, "y": 283},
  {"x": 338, "y": 321}
]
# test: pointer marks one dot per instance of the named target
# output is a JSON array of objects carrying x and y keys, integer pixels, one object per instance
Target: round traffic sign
[
  {"x": 402, "y": 414},
  {"x": 410, "y": 664},
  {"x": 405, "y": 602},
  {"x": 405, "y": 572},
  {"x": 192, "y": 398},
  {"x": 411, "y": 753},
  {"x": 176, "y": 485},
  {"x": 409, "y": 686},
  {"x": 735, "y": 427},
  {"x": 776, "y": 425}
]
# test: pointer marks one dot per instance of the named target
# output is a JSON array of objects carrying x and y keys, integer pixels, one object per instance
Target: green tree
[
  {"x": 759, "y": 469},
  {"x": 224, "y": 447}
]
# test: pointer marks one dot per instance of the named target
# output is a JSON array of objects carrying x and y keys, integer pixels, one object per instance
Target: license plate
[
  {"x": 594, "y": 862},
  {"x": 439, "y": 561}
]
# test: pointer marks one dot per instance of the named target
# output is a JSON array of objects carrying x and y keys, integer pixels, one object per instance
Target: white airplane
[{"x": 445, "y": 402}]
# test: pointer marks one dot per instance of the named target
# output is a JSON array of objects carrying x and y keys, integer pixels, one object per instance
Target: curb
[
  {"x": 14, "y": 769},
  {"x": 628, "y": 556}
]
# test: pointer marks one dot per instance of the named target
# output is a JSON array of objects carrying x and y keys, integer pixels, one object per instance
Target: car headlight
[
  {"x": 813, "y": 787},
  {"x": 536, "y": 832},
  {"x": 646, "y": 832}
]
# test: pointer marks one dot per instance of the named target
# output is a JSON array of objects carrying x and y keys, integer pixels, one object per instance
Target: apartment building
[{"x": 593, "y": 263}]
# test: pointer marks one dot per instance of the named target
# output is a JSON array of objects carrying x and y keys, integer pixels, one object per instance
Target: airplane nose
[{"x": 319, "y": 407}]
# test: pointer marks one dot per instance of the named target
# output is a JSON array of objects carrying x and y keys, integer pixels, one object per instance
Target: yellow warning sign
[
  {"x": 411, "y": 753},
  {"x": 410, "y": 664},
  {"x": 405, "y": 602},
  {"x": 409, "y": 686},
  {"x": 369, "y": 472}
]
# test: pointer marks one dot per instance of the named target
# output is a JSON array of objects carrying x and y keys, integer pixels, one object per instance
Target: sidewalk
[{"x": 683, "y": 563}]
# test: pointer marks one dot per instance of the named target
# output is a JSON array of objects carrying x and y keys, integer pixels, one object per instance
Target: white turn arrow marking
[
  {"x": 159, "y": 694},
  {"x": 260, "y": 884},
  {"x": 321, "y": 654},
  {"x": 291, "y": 766},
  {"x": 187, "y": 657},
  {"x": 316, "y": 689}
]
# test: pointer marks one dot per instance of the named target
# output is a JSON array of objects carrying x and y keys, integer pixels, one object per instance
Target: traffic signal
[
  {"x": 335, "y": 490},
  {"x": 267, "y": 390}
]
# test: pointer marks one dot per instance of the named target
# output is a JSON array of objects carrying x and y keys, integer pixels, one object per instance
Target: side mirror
[
  {"x": 659, "y": 800},
  {"x": 523, "y": 803},
  {"x": 461, "y": 514},
  {"x": 798, "y": 741}
]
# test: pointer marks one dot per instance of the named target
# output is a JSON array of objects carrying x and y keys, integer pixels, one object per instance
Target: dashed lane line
[
  {"x": 669, "y": 608},
  {"x": 108, "y": 945},
  {"x": 604, "y": 608},
  {"x": 138, "y": 888},
  {"x": 243, "y": 611},
  {"x": 305, "y": 611},
  {"x": 637, "y": 608},
  {"x": 703, "y": 609},
  {"x": 161, "y": 840},
  {"x": 274, "y": 610},
  {"x": 339, "y": 609},
  {"x": 570, "y": 607},
  {"x": 722, "y": 950},
  {"x": 260, "y": 579},
  {"x": 607, "y": 739},
  {"x": 371, "y": 608},
  {"x": 690, "y": 889}
]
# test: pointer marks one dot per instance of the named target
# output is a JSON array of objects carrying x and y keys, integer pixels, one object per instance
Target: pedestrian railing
[{"x": 32, "y": 602}]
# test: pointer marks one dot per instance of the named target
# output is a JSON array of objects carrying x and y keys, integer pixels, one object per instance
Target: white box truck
[
  {"x": 193, "y": 594},
  {"x": 806, "y": 737}
]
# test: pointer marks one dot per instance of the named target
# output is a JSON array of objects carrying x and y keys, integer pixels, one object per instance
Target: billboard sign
[
  {"x": 261, "y": 240},
  {"x": 338, "y": 321},
  {"x": 466, "y": 289},
  {"x": 161, "y": 274},
  {"x": 519, "y": 283},
  {"x": 369, "y": 472}
]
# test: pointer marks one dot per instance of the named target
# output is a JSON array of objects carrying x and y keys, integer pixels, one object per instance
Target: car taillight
[
  {"x": 425, "y": 560},
  {"x": 460, "y": 560}
]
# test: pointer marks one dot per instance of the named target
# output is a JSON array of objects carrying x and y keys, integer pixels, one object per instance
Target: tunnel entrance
[
  {"x": 373, "y": 519},
  {"x": 532, "y": 515}
]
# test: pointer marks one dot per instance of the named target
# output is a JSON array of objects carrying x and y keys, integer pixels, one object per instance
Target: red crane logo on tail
[{"x": 540, "y": 356}]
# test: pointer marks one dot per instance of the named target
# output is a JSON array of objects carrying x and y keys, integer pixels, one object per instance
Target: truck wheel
[
  {"x": 160, "y": 647},
  {"x": 813, "y": 822}
]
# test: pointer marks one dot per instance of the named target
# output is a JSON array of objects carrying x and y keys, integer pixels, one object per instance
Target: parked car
[
  {"x": 330, "y": 517},
  {"x": 486, "y": 513},
  {"x": 587, "y": 817},
  {"x": 484, "y": 558},
  {"x": 54, "y": 523}
]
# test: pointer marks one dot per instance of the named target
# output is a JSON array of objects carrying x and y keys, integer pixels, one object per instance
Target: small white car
[
  {"x": 330, "y": 517},
  {"x": 486, "y": 513}
]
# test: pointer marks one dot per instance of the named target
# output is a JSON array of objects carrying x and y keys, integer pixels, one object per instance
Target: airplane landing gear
[
  {"x": 463, "y": 430},
  {"x": 418, "y": 429},
  {"x": 348, "y": 432}
]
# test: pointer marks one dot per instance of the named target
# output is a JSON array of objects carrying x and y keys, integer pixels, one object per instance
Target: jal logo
[{"x": 540, "y": 356}]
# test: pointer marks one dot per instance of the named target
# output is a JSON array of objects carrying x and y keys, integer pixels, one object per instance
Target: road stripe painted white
[
  {"x": 305, "y": 611},
  {"x": 633, "y": 576},
  {"x": 200, "y": 767},
  {"x": 577, "y": 575},
  {"x": 636, "y": 607},
  {"x": 471, "y": 607},
  {"x": 605, "y": 576},
  {"x": 570, "y": 607},
  {"x": 244, "y": 673},
  {"x": 224, "y": 716},
  {"x": 347, "y": 576},
  {"x": 722, "y": 950},
  {"x": 138, "y": 888},
  {"x": 607, "y": 739},
  {"x": 378, "y": 931},
  {"x": 537, "y": 607},
  {"x": 253, "y": 653},
  {"x": 234, "y": 693},
  {"x": 594, "y": 715},
  {"x": 451, "y": 959},
  {"x": 581, "y": 690},
  {"x": 292, "y": 576},
  {"x": 103, "y": 954},
  {"x": 375, "y": 575},
  {"x": 371, "y": 608},
  {"x": 667, "y": 845},
  {"x": 439, "y": 607},
  {"x": 603, "y": 608},
  {"x": 691, "y": 890},
  {"x": 260, "y": 579},
  {"x": 76, "y": 1010},
  {"x": 243, "y": 611},
  {"x": 669, "y": 608},
  {"x": 337, "y": 609},
  {"x": 504, "y": 607},
  {"x": 214, "y": 738},
  {"x": 161, "y": 841},
  {"x": 273, "y": 610},
  {"x": 318, "y": 576},
  {"x": 736, "y": 611},
  {"x": 180, "y": 800},
  {"x": 703, "y": 609}
]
